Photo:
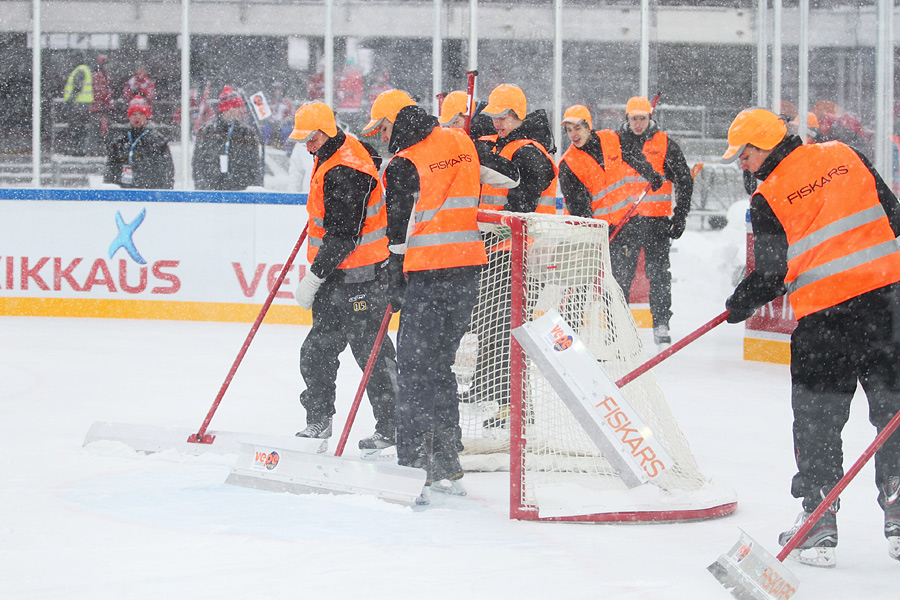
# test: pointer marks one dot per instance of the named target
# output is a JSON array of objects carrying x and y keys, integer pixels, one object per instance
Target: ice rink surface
[{"x": 106, "y": 523}]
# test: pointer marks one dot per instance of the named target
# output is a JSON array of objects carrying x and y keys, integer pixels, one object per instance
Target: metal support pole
[
  {"x": 36, "y": 95},
  {"x": 803, "y": 96},
  {"x": 762, "y": 54},
  {"x": 436, "y": 59},
  {"x": 645, "y": 48},
  {"x": 473, "y": 39},
  {"x": 557, "y": 69},
  {"x": 329, "y": 53},
  {"x": 778, "y": 15},
  {"x": 186, "y": 94}
]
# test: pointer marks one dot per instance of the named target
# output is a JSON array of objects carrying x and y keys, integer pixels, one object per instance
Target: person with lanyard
[
  {"x": 226, "y": 154},
  {"x": 140, "y": 157}
]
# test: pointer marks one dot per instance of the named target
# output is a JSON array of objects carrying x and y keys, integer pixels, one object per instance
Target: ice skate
[
  {"x": 317, "y": 429},
  {"x": 424, "y": 498},
  {"x": 371, "y": 447},
  {"x": 454, "y": 487},
  {"x": 817, "y": 548}
]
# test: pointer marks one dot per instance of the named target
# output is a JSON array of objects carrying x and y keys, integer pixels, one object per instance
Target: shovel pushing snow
[{"x": 751, "y": 573}]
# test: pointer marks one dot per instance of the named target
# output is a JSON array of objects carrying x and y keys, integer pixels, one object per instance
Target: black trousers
[
  {"x": 437, "y": 307},
  {"x": 832, "y": 349},
  {"x": 652, "y": 235},
  {"x": 348, "y": 313}
]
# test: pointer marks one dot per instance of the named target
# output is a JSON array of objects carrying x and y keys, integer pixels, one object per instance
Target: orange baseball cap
[
  {"x": 506, "y": 97},
  {"x": 386, "y": 106},
  {"x": 576, "y": 114},
  {"x": 312, "y": 117},
  {"x": 455, "y": 103},
  {"x": 638, "y": 105},
  {"x": 755, "y": 126}
]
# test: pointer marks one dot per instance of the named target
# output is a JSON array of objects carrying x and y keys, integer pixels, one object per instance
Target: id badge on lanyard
[{"x": 127, "y": 175}]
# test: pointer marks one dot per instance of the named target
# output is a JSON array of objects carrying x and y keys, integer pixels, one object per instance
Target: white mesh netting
[{"x": 566, "y": 267}]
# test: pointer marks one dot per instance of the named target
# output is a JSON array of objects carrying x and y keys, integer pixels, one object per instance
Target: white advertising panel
[
  {"x": 593, "y": 398},
  {"x": 197, "y": 255}
]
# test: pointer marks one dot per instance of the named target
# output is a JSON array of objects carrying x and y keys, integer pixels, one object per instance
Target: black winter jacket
[
  {"x": 675, "y": 167},
  {"x": 151, "y": 161},
  {"x": 578, "y": 199},
  {"x": 244, "y": 167},
  {"x": 770, "y": 244},
  {"x": 346, "y": 194}
]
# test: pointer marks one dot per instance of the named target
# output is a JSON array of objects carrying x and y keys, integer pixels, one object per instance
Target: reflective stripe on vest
[
  {"x": 86, "y": 94},
  {"x": 493, "y": 198},
  {"x": 624, "y": 185},
  {"x": 372, "y": 244},
  {"x": 840, "y": 242},
  {"x": 443, "y": 230}
]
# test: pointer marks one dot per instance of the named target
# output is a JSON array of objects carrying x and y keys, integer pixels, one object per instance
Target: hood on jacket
[
  {"x": 411, "y": 126},
  {"x": 535, "y": 126}
]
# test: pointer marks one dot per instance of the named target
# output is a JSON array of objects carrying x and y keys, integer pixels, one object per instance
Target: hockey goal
[{"x": 511, "y": 418}]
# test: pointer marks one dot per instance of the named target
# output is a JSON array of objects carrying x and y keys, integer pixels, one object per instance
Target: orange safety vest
[
  {"x": 372, "y": 245},
  {"x": 493, "y": 198},
  {"x": 443, "y": 230},
  {"x": 624, "y": 185},
  {"x": 588, "y": 171},
  {"x": 840, "y": 242}
]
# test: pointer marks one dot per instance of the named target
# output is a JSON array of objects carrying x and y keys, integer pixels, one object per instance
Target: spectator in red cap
[
  {"x": 139, "y": 157},
  {"x": 226, "y": 155}
]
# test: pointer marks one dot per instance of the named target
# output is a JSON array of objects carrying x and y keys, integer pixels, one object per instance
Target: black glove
[
  {"x": 656, "y": 181},
  {"x": 737, "y": 314},
  {"x": 396, "y": 281},
  {"x": 676, "y": 227}
]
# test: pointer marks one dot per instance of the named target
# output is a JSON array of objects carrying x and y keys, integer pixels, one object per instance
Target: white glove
[{"x": 306, "y": 290}]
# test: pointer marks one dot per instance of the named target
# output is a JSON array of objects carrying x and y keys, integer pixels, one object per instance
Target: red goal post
[{"x": 510, "y": 416}]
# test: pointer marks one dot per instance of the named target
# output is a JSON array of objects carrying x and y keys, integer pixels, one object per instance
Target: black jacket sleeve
[
  {"x": 535, "y": 175},
  {"x": 677, "y": 171},
  {"x": 578, "y": 199},
  {"x": 401, "y": 192},
  {"x": 770, "y": 246},
  {"x": 346, "y": 195}
]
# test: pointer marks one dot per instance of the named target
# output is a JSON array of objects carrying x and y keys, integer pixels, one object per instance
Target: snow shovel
[
  {"x": 749, "y": 572},
  {"x": 279, "y": 469},
  {"x": 149, "y": 439}
]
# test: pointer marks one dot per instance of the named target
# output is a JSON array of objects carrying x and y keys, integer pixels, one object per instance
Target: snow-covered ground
[{"x": 102, "y": 523}]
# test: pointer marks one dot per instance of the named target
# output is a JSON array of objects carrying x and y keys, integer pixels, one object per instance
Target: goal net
[{"x": 511, "y": 417}]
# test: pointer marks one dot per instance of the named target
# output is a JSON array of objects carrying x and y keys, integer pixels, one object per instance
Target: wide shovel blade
[
  {"x": 278, "y": 469},
  {"x": 150, "y": 439},
  {"x": 751, "y": 573}
]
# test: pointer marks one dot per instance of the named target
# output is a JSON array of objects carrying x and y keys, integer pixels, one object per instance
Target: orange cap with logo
[
  {"x": 576, "y": 114},
  {"x": 454, "y": 104},
  {"x": 638, "y": 105},
  {"x": 386, "y": 106},
  {"x": 506, "y": 97},
  {"x": 755, "y": 126},
  {"x": 312, "y": 117}
]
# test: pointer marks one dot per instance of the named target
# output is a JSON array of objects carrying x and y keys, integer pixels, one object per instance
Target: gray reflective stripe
[
  {"x": 617, "y": 184},
  {"x": 605, "y": 210},
  {"x": 314, "y": 242},
  {"x": 547, "y": 201},
  {"x": 372, "y": 236},
  {"x": 831, "y": 230},
  {"x": 493, "y": 200},
  {"x": 423, "y": 216},
  {"x": 371, "y": 211},
  {"x": 448, "y": 237},
  {"x": 319, "y": 222},
  {"x": 845, "y": 263}
]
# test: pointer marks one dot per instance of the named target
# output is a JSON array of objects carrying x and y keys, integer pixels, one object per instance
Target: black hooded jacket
[
  {"x": 770, "y": 244},
  {"x": 578, "y": 198},
  {"x": 346, "y": 194},
  {"x": 675, "y": 167},
  {"x": 536, "y": 171}
]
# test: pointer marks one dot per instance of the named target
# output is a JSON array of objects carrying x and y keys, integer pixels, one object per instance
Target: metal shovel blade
[
  {"x": 282, "y": 470},
  {"x": 751, "y": 573},
  {"x": 150, "y": 439}
]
